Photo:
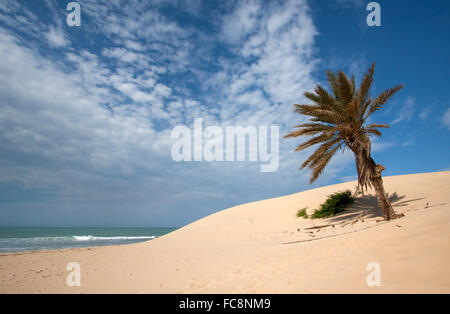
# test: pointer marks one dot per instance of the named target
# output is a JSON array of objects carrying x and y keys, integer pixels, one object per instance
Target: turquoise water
[{"x": 18, "y": 239}]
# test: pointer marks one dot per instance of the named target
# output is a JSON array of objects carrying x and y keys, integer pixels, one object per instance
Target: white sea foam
[
  {"x": 48, "y": 243},
  {"x": 93, "y": 238},
  {"x": 35, "y": 238}
]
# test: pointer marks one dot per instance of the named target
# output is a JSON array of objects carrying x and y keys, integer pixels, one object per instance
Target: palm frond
[
  {"x": 364, "y": 89},
  {"x": 313, "y": 97},
  {"x": 374, "y": 131},
  {"x": 352, "y": 81},
  {"x": 344, "y": 88},
  {"x": 375, "y": 125},
  {"x": 352, "y": 109},
  {"x": 319, "y": 153},
  {"x": 320, "y": 113},
  {"x": 318, "y": 168},
  {"x": 382, "y": 98},
  {"x": 332, "y": 81},
  {"x": 313, "y": 141},
  {"x": 310, "y": 129}
]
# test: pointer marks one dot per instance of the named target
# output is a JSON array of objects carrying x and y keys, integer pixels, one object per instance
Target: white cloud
[
  {"x": 446, "y": 119},
  {"x": 349, "y": 3},
  {"x": 51, "y": 114},
  {"x": 409, "y": 141},
  {"x": 56, "y": 37},
  {"x": 425, "y": 113},
  {"x": 94, "y": 124},
  {"x": 281, "y": 63},
  {"x": 406, "y": 111},
  {"x": 134, "y": 45},
  {"x": 241, "y": 21},
  {"x": 382, "y": 146}
]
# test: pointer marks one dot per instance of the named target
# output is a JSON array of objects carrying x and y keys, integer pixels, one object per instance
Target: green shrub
[
  {"x": 302, "y": 213},
  {"x": 334, "y": 204}
]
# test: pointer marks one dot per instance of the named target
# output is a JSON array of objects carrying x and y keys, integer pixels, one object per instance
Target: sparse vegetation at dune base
[
  {"x": 302, "y": 213},
  {"x": 335, "y": 204}
]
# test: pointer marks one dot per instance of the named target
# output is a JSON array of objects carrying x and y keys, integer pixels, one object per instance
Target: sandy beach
[{"x": 262, "y": 247}]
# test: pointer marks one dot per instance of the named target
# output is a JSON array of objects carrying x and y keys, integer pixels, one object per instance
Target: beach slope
[{"x": 262, "y": 247}]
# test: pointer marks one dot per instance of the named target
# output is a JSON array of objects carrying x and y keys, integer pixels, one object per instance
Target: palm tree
[{"x": 337, "y": 122}]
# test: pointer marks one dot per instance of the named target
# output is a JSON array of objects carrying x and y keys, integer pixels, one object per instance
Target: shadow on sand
[{"x": 367, "y": 206}]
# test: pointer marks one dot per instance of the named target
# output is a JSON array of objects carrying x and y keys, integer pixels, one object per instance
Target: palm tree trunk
[
  {"x": 369, "y": 173},
  {"x": 383, "y": 201}
]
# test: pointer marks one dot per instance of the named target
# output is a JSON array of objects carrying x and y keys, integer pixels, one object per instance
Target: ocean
[{"x": 19, "y": 239}]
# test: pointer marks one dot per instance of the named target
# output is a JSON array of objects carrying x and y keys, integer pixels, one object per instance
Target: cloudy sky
[{"x": 86, "y": 113}]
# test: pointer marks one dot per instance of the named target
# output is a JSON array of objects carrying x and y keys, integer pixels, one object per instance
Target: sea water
[{"x": 18, "y": 239}]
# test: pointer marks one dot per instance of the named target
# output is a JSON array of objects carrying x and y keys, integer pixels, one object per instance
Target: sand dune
[{"x": 262, "y": 247}]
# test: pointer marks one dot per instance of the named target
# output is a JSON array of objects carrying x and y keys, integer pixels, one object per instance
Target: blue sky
[{"x": 86, "y": 112}]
